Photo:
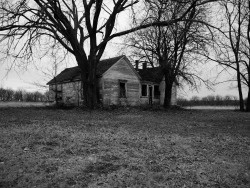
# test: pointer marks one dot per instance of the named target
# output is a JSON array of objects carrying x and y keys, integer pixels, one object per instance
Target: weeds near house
[{"x": 42, "y": 147}]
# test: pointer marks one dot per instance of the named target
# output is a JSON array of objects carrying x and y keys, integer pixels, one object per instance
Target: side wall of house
[
  {"x": 112, "y": 81},
  {"x": 174, "y": 93},
  {"x": 68, "y": 93},
  {"x": 71, "y": 93},
  {"x": 55, "y": 90},
  {"x": 51, "y": 93}
]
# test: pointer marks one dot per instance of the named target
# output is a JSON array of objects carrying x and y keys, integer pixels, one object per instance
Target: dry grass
[
  {"x": 42, "y": 147},
  {"x": 8, "y": 104}
]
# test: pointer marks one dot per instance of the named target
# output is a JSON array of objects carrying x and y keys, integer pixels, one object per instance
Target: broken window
[
  {"x": 144, "y": 90},
  {"x": 122, "y": 89},
  {"x": 156, "y": 92}
]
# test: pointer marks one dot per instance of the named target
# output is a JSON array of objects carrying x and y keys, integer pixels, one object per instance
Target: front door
[{"x": 150, "y": 95}]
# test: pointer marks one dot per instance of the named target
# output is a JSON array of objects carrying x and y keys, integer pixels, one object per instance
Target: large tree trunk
[
  {"x": 240, "y": 87},
  {"x": 168, "y": 90},
  {"x": 240, "y": 95},
  {"x": 248, "y": 101},
  {"x": 89, "y": 86},
  {"x": 92, "y": 84},
  {"x": 248, "y": 95},
  {"x": 168, "y": 95},
  {"x": 89, "y": 81}
]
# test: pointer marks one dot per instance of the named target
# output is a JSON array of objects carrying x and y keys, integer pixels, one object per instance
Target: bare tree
[
  {"x": 83, "y": 28},
  {"x": 2, "y": 94},
  {"x": 57, "y": 60},
  {"x": 9, "y": 94},
  {"x": 173, "y": 48},
  {"x": 245, "y": 51},
  {"x": 232, "y": 46},
  {"x": 18, "y": 95},
  {"x": 46, "y": 97}
]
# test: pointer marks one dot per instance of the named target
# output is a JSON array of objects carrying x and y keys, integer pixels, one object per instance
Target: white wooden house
[{"x": 119, "y": 83}]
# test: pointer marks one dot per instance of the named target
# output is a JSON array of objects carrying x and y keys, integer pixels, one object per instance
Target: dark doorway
[{"x": 150, "y": 95}]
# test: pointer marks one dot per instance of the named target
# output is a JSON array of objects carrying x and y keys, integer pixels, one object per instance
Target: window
[
  {"x": 144, "y": 90},
  {"x": 56, "y": 87},
  {"x": 122, "y": 89},
  {"x": 156, "y": 92}
]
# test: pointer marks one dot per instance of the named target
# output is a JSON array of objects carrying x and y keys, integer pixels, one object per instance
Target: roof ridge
[
  {"x": 99, "y": 61},
  {"x": 73, "y": 72}
]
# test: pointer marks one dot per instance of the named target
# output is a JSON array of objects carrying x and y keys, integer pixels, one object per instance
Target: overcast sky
[{"x": 25, "y": 78}]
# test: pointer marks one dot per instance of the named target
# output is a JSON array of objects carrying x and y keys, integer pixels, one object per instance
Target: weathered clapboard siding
[
  {"x": 133, "y": 87},
  {"x": 121, "y": 70},
  {"x": 71, "y": 92},
  {"x": 145, "y": 101}
]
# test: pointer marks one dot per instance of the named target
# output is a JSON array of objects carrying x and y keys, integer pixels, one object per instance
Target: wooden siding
[
  {"x": 71, "y": 93},
  {"x": 120, "y": 71}
]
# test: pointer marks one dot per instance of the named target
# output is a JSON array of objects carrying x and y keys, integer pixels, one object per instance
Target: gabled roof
[
  {"x": 105, "y": 64},
  {"x": 68, "y": 74},
  {"x": 151, "y": 74},
  {"x": 74, "y": 73}
]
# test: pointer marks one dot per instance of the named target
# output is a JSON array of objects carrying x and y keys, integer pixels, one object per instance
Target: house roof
[
  {"x": 74, "y": 73},
  {"x": 151, "y": 74}
]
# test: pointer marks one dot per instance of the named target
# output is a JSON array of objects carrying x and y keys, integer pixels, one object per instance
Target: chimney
[
  {"x": 144, "y": 66},
  {"x": 136, "y": 65}
]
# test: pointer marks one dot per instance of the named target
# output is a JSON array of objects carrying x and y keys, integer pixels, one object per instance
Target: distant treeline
[
  {"x": 21, "y": 95},
  {"x": 209, "y": 100}
]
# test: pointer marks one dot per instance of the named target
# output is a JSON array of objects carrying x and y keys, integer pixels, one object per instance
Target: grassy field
[
  {"x": 212, "y": 107},
  {"x": 21, "y": 104},
  {"x": 42, "y": 147}
]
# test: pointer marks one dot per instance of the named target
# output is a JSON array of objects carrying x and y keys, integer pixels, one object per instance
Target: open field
[
  {"x": 212, "y": 107},
  {"x": 21, "y": 104},
  {"x": 42, "y": 147}
]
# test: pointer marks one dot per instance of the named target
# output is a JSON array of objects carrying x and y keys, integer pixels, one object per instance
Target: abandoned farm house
[{"x": 119, "y": 83}]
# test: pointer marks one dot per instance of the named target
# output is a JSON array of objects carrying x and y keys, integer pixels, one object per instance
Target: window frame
[
  {"x": 56, "y": 87},
  {"x": 124, "y": 93},
  {"x": 146, "y": 90}
]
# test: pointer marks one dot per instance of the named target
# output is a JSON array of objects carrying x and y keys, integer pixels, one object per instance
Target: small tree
[{"x": 232, "y": 45}]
